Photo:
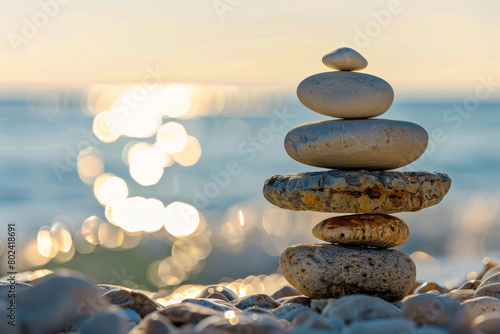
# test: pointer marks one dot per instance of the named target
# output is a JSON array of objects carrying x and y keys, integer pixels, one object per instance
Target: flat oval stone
[
  {"x": 345, "y": 59},
  {"x": 370, "y": 144},
  {"x": 377, "y": 230},
  {"x": 357, "y": 191},
  {"x": 332, "y": 271},
  {"x": 346, "y": 94}
]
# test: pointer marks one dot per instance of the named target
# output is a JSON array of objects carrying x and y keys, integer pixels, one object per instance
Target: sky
[{"x": 438, "y": 47}]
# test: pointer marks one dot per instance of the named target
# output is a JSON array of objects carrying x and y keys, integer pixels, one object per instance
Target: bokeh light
[
  {"x": 175, "y": 100},
  {"x": 139, "y": 214},
  {"x": 110, "y": 189},
  {"x": 146, "y": 165},
  {"x": 181, "y": 219},
  {"x": 90, "y": 164},
  {"x": 190, "y": 154},
  {"x": 102, "y": 128},
  {"x": 90, "y": 229},
  {"x": 171, "y": 138}
]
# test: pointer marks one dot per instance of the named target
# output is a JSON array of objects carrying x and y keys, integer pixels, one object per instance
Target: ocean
[{"x": 40, "y": 184}]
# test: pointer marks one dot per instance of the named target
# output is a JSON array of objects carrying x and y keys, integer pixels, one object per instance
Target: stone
[
  {"x": 256, "y": 323},
  {"x": 361, "y": 308},
  {"x": 307, "y": 321},
  {"x": 430, "y": 286},
  {"x": 5, "y": 315},
  {"x": 495, "y": 278},
  {"x": 286, "y": 291},
  {"x": 490, "y": 269},
  {"x": 107, "y": 322},
  {"x": 481, "y": 305},
  {"x": 376, "y": 230},
  {"x": 345, "y": 59},
  {"x": 432, "y": 309},
  {"x": 382, "y": 326},
  {"x": 369, "y": 144},
  {"x": 18, "y": 287},
  {"x": 288, "y": 311},
  {"x": 491, "y": 290},
  {"x": 472, "y": 284},
  {"x": 57, "y": 302},
  {"x": 431, "y": 329},
  {"x": 154, "y": 323},
  {"x": 213, "y": 304},
  {"x": 228, "y": 293},
  {"x": 327, "y": 270},
  {"x": 460, "y": 295},
  {"x": 218, "y": 295},
  {"x": 257, "y": 300},
  {"x": 346, "y": 94},
  {"x": 302, "y": 300},
  {"x": 487, "y": 324},
  {"x": 130, "y": 299},
  {"x": 185, "y": 313},
  {"x": 357, "y": 191}
]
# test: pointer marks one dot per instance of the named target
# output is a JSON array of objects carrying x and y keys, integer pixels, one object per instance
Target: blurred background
[{"x": 135, "y": 137}]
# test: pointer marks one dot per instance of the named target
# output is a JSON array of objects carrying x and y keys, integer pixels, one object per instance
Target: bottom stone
[{"x": 332, "y": 271}]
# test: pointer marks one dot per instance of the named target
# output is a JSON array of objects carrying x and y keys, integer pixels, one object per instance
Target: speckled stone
[
  {"x": 332, "y": 271},
  {"x": 472, "y": 284},
  {"x": 460, "y": 295},
  {"x": 481, "y": 305},
  {"x": 370, "y": 144},
  {"x": 377, "y": 230},
  {"x": 357, "y": 191},
  {"x": 489, "y": 290},
  {"x": 495, "y": 278},
  {"x": 345, "y": 59},
  {"x": 490, "y": 269},
  {"x": 346, "y": 94}
]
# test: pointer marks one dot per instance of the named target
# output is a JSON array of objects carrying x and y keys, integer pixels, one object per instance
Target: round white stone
[
  {"x": 346, "y": 94},
  {"x": 345, "y": 59}
]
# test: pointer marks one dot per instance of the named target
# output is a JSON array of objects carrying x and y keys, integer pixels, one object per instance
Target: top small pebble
[{"x": 345, "y": 59}]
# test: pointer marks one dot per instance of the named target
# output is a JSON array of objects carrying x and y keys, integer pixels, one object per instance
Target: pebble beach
[{"x": 68, "y": 302}]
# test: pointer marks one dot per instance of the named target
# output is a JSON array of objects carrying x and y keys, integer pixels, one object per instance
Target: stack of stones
[{"x": 358, "y": 151}]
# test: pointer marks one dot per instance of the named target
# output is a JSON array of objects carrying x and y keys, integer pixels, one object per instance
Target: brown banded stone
[{"x": 377, "y": 230}]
